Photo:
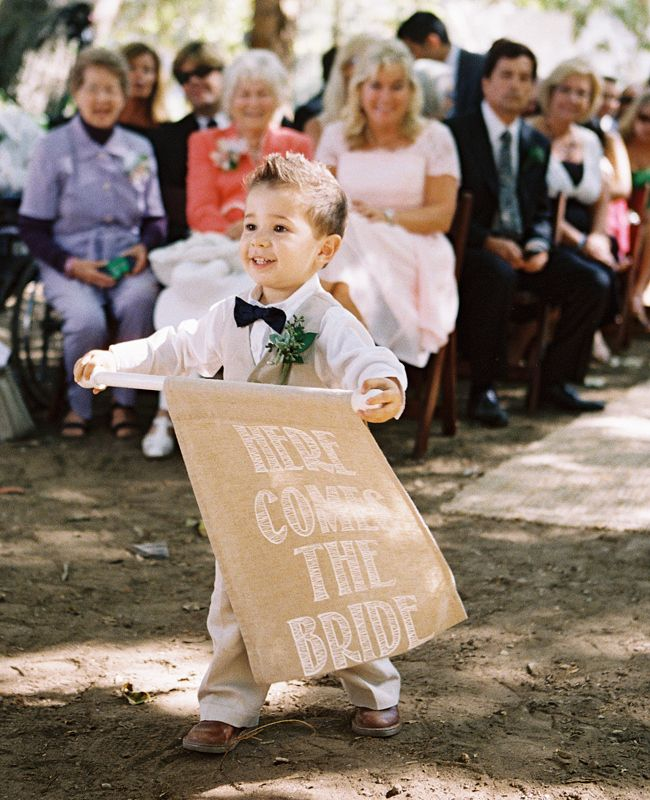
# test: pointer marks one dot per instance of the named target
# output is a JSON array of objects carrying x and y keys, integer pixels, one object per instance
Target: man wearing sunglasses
[{"x": 198, "y": 68}]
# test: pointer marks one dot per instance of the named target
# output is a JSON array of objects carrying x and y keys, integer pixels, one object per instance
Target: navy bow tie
[{"x": 247, "y": 314}]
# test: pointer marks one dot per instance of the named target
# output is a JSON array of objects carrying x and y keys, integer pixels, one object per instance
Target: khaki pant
[{"x": 228, "y": 691}]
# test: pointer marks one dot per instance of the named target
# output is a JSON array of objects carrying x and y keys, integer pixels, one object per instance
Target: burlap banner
[{"x": 326, "y": 560}]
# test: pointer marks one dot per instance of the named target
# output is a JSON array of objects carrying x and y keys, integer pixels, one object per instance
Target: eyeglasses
[{"x": 201, "y": 71}]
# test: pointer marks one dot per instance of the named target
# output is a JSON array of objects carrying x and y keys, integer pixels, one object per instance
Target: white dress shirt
[
  {"x": 345, "y": 354},
  {"x": 220, "y": 119},
  {"x": 496, "y": 128}
]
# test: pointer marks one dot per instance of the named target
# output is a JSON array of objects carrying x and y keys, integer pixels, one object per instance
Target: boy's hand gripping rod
[{"x": 154, "y": 383}]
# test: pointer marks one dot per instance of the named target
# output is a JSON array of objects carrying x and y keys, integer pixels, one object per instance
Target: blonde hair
[
  {"x": 317, "y": 189},
  {"x": 574, "y": 66},
  {"x": 626, "y": 126},
  {"x": 336, "y": 90},
  {"x": 381, "y": 54}
]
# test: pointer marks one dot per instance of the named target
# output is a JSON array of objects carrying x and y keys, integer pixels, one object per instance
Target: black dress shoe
[
  {"x": 485, "y": 408},
  {"x": 566, "y": 398}
]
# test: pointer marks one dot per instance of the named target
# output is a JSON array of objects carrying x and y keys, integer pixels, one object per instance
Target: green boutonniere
[
  {"x": 289, "y": 345},
  {"x": 536, "y": 155}
]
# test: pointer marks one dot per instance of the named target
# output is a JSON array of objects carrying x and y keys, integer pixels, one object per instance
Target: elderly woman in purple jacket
[{"x": 92, "y": 195}]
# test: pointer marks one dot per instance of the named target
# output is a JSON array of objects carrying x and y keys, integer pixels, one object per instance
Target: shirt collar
[
  {"x": 220, "y": 118},
  {"x": 452, "y": 58},
  {"x": 496, "y": 127},
  {"x": 87, "y": 148},
  {"x": 294, "y": 301}
]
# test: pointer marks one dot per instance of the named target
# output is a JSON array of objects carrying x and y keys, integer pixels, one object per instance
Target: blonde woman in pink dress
[{"x": 401, "y": 174}]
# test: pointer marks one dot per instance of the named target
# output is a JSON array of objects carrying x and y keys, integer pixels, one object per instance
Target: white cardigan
[{"x": 591, "y": 185}]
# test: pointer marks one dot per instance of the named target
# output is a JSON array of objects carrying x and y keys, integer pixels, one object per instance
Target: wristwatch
[{"x": 389, "y": 213}]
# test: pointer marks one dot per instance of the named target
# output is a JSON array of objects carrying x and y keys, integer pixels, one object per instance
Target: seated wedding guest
[
  {"x": 400, "y": 173},
  {"x": 606, "y": 114},
  {"x": 503, "y": 164},
  {"x": 568, "y": 97},
  {"x": 336, "y": 88},
  {"x": 314, "y": 106},
  {"x": 615, "y": 166},
  {"x": 627, "y": 97},
  {"x": 91, "y": 195},
  {"x": 635, "y": 130},
  {"x": 198, "y": 68},
  {"x": 436, "y": 83},
  {"x": 142, "y": 110},
  {"x": 207, "y": 269},
  {"x": 255, "y": 86},
  {"x": 426, "y": 36}
]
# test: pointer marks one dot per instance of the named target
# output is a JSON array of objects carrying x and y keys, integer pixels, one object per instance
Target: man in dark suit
[
  {"x": 198, "y": 68},
  {"x": 503, "y": 165},
  {"x": 426, "y": 36}
]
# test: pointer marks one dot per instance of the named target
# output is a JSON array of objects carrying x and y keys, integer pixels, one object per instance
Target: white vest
[{"x": 238, "y": 361}]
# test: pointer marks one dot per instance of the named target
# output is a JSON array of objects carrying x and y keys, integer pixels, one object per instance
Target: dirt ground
[{"x": 542, "y": 693}]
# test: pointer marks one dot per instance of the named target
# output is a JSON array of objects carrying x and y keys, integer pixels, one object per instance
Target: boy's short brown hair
[{"x": 325, "y": 201}]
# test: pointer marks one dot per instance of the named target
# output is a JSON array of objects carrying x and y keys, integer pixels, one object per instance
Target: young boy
[{"x": 293, "y": 224}]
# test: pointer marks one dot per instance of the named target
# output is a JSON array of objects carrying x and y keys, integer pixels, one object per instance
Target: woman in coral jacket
[{"x": 219, "y": 159}]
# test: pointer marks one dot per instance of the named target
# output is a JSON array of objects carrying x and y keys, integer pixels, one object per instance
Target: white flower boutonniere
[
  {"x": 138, "y": 171},
  {"x": 228, "y": 152}
]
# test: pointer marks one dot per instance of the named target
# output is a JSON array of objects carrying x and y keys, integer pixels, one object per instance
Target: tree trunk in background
[
  {"x": 104, "y": 16},
  {"x": 274, "y": 27}
]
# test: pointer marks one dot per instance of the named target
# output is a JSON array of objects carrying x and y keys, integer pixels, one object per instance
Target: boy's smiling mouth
[{"x": 260, "y": 261}]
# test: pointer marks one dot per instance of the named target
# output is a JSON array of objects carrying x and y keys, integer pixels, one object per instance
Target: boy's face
[{"x": 279, "y": 249}]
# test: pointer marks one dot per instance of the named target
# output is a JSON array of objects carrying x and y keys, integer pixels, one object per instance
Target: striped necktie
[{"x": 509, "y": 214}]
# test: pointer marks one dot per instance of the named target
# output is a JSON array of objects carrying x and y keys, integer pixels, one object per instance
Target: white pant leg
[
  {"x": 375, "y": 684},
  {"x": 228, "y": 692}
]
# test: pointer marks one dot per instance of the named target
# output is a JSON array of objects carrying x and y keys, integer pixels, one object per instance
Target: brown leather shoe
[
  {"x": 368, "y": 722},
  {"x": 211, "y": 736}
]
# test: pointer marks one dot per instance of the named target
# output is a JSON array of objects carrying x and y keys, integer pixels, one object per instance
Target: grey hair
[
  {"x": 115, "y": 63},
  {"x": 258, "y": 65}
]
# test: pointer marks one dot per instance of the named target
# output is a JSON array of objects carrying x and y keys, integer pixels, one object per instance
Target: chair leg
[
  {"x": 430, "y": 392},
  {"x": 535, "y": 360},
  {"x": 449, "y": 391}
]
